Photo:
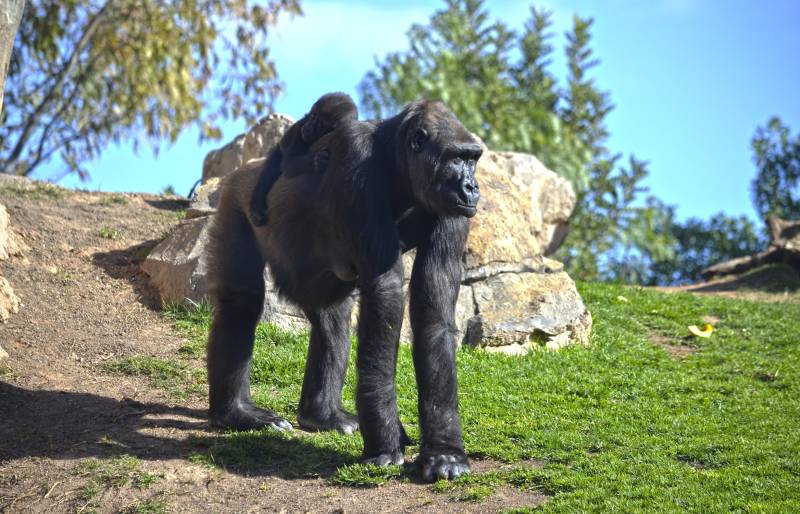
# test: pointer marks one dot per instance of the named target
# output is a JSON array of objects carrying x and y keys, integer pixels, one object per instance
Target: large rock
[
  {"x": 512, "y": 298},
  {"x": 784, "y": 247},
  {"x": 178, "y": 269},
  {"x": 9, "y": 302},
  {"x": 10, "y": 245},
  {"x": 785, "y": 234},
  {"x": 177, "y": 266},
  {"x": 537, "y": 306},
  {"x": 257, "y": 142},
  {"x": 206, "y": 198},
  {"x": 524, "y": 210}
]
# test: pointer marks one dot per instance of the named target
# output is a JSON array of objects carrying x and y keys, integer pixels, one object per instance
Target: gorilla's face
[{"x": 441, "y": 159}]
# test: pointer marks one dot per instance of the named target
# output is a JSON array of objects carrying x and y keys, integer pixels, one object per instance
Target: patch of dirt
[
  {"x": 85, "y": 302},
  {"x": 673, "y": 349}
]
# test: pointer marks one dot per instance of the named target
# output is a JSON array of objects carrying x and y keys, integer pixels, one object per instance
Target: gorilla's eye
[{"x": 418, "y": 139}]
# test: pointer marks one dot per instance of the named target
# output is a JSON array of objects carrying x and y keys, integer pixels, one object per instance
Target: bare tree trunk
[{"x": 10, "y": 15}]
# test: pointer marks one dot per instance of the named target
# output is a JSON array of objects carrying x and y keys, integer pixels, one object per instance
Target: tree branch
[
  {"x": 57, "y": 116},
  {"x": 61, "y": 77}
]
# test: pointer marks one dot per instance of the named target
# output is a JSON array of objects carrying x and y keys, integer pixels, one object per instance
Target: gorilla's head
[
  {"x": 439, "y": 155},
  {"x": 326, "y": 114}
]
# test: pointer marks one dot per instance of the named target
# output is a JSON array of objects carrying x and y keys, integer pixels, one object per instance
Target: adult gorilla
[{"x": 407, "y": 182}]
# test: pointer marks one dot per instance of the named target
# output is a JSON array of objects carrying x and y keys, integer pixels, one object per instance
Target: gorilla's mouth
[{"x": 466, "y": 209}]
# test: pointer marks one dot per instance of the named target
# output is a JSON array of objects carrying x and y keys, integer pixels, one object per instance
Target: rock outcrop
[
  {"x": 784, "y": 247},
  {"x": 512, "y": 298},
  {"x": 9, "y": 246},
  {"x": 256, "y": 143}
]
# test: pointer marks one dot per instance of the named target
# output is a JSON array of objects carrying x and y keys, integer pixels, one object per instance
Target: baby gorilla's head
[{"x": 326, "y": 114}]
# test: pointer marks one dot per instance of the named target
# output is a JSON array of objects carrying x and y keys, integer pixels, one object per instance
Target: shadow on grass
[
  {"x": 270, "y": 453},
  {"x": 68, "y": 425}
]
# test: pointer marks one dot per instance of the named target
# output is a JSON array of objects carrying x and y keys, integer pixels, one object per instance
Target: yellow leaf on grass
[
  {"x": 704, "y": 332},
  {"x": 622, "y": 299}
]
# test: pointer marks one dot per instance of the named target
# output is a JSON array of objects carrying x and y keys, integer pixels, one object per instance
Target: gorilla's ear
[{"x": 417, "y": 139}]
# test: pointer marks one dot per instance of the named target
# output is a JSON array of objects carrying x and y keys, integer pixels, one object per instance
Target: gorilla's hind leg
[
  {"x": 328, "y": 350},
  {"x": 237, "y": 287}
]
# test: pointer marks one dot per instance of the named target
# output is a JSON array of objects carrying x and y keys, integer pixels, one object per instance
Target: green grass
[
  {"x": 364, "y": 475},
  {"x": 620, "y": 425},
  {"x": 35, "y": 191},
  {"x": 108, "y": 233},
  {"x": 113, "y": 199},
  {"x": 176, "y": 376},
  {"x": 150, "y": 506},
  {"x": 114, "y": 473}
]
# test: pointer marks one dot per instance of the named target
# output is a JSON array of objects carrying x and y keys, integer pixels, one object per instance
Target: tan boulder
[
  {"x": 541, "y": 306},
  {"x": 255, "y": 143},
  {"x": 205, "y": 200},
  {"x": 523, "y": 212},
  {"x": 9, "y": 302},
  {"x": 10, "y": 243}
]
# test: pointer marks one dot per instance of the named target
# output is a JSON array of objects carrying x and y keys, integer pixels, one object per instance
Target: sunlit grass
[{"x": 620, "y": 425}]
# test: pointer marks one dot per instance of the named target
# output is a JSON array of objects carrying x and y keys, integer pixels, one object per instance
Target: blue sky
[{"x": 691, "y": 80}]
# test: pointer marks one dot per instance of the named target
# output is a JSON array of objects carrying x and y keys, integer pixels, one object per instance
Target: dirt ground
[{"x": 85, "y": 302}]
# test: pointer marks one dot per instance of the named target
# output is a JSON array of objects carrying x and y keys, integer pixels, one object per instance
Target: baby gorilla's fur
[{"x": 292, "y": 156}]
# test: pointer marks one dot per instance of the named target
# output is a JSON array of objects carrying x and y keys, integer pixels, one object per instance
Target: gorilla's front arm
[{"x": 435, "y": 281}]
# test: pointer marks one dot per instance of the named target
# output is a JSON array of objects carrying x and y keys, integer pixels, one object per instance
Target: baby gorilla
[{"x": 291, "y": 157}]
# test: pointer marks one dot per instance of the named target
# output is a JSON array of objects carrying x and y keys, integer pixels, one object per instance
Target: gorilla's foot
[
  {"x": 390, "y": 452},
  {"x": 385, "y": 459},
  {"x": 340, "y": 420},
  {"x": 446, "y": 466},
  {"x": 248, "y": 417}
]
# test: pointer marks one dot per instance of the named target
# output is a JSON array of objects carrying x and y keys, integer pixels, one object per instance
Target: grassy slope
[{"x": 619, "y": 425}]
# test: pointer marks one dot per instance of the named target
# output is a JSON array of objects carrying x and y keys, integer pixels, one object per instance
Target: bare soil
[{"x": 85, "y": 302}]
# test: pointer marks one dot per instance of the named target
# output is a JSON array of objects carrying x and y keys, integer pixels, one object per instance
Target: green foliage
[
  {"x": 108, "y": 233},
  {"x": 114, "y": 199},
  {"x": 150, "y": 506},
  {"x": 701, "y": 244},
  {"x": 776, "y": 188},
  {"x": 115, "y": 472},
  {"x": 86, "y": 74},
  {"x": 499, "y": 84},
  {"x": 176, "y": 376}
]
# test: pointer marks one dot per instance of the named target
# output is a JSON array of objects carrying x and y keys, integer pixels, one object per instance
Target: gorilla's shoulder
[{"x": 355, "y": 139}]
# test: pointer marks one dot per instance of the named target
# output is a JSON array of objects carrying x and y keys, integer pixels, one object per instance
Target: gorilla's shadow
[{"x": 67, "y": 425}]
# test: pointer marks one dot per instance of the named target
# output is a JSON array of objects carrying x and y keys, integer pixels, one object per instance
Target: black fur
[
  {"x": 291, "y": 157},
  {"x": 407, "y": 182}
]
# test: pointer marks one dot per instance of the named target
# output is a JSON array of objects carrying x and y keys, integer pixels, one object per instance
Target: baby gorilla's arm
[{"x": 294, "y": 165}]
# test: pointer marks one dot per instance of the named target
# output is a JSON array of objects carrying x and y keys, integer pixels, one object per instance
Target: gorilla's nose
[{"x": 470, "y": 193}]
